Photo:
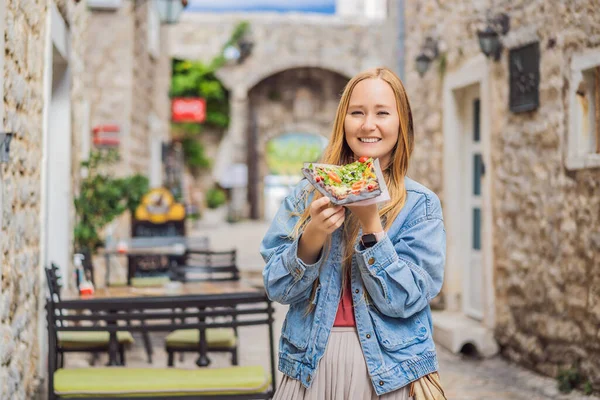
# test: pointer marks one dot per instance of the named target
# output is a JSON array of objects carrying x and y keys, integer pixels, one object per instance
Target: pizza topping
[
  {"x": 334, "y": 177},
  {"x": 340, "y": 181},
  {"x": 358, "y": 185}
]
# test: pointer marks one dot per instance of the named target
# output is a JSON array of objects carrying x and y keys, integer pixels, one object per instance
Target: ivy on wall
[{"x": 198, "y": 79}]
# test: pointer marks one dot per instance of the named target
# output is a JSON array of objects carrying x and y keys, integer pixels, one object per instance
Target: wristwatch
[{"x": 370, "y": 239}]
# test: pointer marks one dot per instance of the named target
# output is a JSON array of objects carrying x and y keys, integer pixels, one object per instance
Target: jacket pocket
[
  {"x": 299, "y": 321},
  {"x": 398, "y": 333}
]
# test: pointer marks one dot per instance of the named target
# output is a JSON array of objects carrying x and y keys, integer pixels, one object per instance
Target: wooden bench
[{"x": 237, "y": 382}]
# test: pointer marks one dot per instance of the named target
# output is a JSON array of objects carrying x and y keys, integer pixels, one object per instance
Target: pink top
[{"x": 345, "y": 311}]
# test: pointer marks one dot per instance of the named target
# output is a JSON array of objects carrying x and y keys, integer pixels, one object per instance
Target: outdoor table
[
  {"x": 194, "y": 294},
  {"x": 151, "y": 246}
]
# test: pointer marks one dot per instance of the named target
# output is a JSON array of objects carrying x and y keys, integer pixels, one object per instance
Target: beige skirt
[{"x": 342, "y": 374}]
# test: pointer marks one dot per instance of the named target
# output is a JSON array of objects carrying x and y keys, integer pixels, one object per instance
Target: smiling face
[{"x": 371, "y": 125}]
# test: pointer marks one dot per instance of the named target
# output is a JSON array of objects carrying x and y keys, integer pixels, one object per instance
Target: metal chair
[
  {"x": 201, "y": 266},
  {"x": 153, "y": 265},
  {"x": 94, "y": 342}
]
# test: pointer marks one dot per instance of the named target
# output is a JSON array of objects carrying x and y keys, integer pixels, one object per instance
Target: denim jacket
[{"x": 401, "y": 274}]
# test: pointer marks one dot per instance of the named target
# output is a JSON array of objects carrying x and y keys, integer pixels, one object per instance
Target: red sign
[
  {"x": 106, "y": 135},
  {"x": 185, "y": 109}
]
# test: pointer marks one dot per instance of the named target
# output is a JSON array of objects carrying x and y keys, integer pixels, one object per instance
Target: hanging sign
[
  {"x": 106, "y": 136},
  {"x": 188, "y": 109}
]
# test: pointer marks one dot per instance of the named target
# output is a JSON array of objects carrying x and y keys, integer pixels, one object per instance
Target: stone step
[{"x": 454, "y": 330}]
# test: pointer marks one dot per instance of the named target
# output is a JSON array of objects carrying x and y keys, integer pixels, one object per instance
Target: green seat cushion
[
  {"x": 157, "y": 382},
  {"x": 76, "y": 340},
  {"x": 149, "y": 281},
  {"x": 215, "y": 337}
]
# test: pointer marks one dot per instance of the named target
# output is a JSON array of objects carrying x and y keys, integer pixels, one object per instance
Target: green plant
[
  {"x": 587, "y": 388},
  {"x": 102, "y": 198},
  {"x": 568, "y": 379},
  {"x": 185, "y": 129},
  {"x": 193, "y": 151},
  {"x": 195, "y": 78},
  {"x": 215, "y": 197},
  {"x": 198, "y": 79}
]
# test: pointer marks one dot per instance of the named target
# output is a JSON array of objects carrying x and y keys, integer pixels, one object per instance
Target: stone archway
[{"x": 297, "y": 100}]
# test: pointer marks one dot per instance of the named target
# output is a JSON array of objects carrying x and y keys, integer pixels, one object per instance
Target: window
[{"x": 584, "y": 111}]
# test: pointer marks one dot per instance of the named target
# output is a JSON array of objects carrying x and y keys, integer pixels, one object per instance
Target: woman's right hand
[{"x": 323, "y": 221}]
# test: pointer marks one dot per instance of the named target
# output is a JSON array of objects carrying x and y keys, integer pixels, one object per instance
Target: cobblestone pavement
[{"x": 463, "y": 378}]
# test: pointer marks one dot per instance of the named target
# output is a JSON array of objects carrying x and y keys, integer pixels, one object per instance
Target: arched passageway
[{"x": 298, "y": 101}]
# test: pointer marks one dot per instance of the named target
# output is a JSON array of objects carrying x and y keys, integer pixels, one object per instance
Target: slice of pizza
[{"x": 345, "y": 184}]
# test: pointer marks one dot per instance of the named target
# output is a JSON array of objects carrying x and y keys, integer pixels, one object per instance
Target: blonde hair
[{"x": 339, "y": 153}]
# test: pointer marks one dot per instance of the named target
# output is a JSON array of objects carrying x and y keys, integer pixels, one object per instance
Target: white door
[
  {"x": 57, "y": 197},
  {"x": 474, "y": 170},
  {"x": 58, "y": 166}
]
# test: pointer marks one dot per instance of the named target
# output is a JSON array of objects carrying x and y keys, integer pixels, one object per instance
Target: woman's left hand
[{"x": 368, "y": 217}]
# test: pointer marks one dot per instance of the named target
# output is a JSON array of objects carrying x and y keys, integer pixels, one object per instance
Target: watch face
[{"x": 369, "y": 240}]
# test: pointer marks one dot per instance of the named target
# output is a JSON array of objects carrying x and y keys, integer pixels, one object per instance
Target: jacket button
[
  {"x": 308, "y": 378},
  {"x": 368, "y": 336},
  {"x": 380, "y": 383},
  {"x": 357, "y": 291},
  {"x": 371, "y": 261}
]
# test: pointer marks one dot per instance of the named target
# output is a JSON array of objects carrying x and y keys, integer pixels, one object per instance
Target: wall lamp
[
  {"x": 429, "y": 52},
  {"x": 5, "y": 138},
  {"x": 169, "y": 11},
  {"x": 237, "y": 53},
  {"x": 489, "y": 38}
]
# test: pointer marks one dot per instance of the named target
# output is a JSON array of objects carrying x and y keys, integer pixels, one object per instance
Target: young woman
[{"x": 358, "y": 279}]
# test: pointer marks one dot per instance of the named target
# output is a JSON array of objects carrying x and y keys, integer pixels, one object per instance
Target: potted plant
[{"x": 101, "y": 199}]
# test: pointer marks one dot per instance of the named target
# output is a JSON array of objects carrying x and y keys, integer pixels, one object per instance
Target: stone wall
[
  {"x": 546, "y": 247},
  {"x": 341, "y": 44},
  {"x": 127, "y": 83},
  {"x": 21, "y": 185},
  {"x": 345, "y": 46},
  {"x": 110, "y": 67}
]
